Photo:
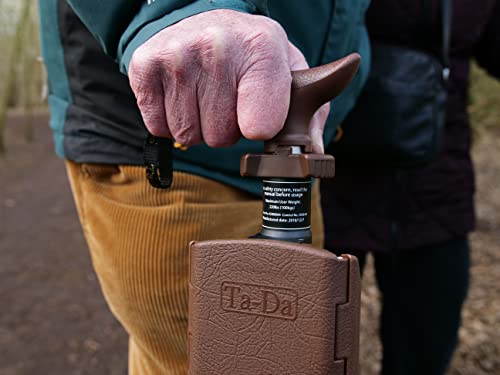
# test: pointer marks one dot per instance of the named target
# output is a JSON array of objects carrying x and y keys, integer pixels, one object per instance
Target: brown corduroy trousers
[{"x": 138, "y": 238}]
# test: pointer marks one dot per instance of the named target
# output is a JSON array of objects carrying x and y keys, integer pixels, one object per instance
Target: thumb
[{"x": 317, "y": 125}]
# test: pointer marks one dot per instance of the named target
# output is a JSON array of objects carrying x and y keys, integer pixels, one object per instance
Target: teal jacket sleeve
[{"x": 121, "y": 26}]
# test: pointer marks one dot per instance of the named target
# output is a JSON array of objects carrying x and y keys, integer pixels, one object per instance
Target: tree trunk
[
  {"x": 28, "y": 81},
  {"x": 12, "y": 61}
]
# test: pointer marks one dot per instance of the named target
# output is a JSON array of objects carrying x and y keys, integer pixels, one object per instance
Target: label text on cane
[
  {"x": 286, "y": 205},
  {"x": 259, "y": 300}
]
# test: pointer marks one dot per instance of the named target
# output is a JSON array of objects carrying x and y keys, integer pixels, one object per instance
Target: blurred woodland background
[
  {"x": 22, "y": 78},
  {"x": 53, "y": 319}
]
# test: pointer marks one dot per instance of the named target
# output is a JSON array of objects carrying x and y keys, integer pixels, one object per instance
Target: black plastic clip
[{"x": 158, "y": 161}]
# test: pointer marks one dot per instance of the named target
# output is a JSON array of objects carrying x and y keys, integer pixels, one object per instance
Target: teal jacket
[{"x": 93, "y": 112}]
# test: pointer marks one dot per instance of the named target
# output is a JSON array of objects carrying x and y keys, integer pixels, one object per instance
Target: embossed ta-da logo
[{"x": 259, "y": 300}]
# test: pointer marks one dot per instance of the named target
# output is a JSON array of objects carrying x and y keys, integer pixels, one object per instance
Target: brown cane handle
[{"x": 312, "y": 88}]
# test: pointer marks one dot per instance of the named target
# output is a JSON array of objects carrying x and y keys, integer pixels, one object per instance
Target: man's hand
[{"x": 216, "y": 76}]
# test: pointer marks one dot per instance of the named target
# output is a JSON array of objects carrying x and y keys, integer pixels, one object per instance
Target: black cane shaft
[{"x": 286, "y": 213}]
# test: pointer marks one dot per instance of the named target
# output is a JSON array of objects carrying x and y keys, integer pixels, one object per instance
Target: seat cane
[{"x": 274, "y": 304}]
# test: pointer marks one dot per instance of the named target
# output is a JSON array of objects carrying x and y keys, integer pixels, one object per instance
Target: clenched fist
[{"x": 216, "y": 76}]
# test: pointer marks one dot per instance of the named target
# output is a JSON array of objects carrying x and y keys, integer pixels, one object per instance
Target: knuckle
[
  {"x": 171, "y": 58},
  {"x": 262, "y": 48},
  {"x": 207, "y": 52},
  {"x": 142, "y": 71},
  {"x": 153, "y": 62},
  {"x": 261, "y": 40},
  {"x": 268, "y": 34},
  {"x": 142, "y": 61},
  {"x": 278, "y": 31}
]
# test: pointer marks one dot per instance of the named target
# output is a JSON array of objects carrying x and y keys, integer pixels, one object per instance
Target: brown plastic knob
[{"x": 289, "y": 154}]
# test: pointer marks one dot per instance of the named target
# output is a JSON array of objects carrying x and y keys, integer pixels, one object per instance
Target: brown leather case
[{"x": 264, "y": 307}]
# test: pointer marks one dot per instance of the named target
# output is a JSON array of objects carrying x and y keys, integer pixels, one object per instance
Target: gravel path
[
  {"x": 53, "y": 319},
  {"x": 479, "y": 349}
]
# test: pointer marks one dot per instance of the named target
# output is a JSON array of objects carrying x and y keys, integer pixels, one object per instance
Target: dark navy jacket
[{"x": 380, "y": 209}]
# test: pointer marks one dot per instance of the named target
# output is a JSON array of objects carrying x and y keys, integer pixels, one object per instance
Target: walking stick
[{"x": 273, "y": 304}]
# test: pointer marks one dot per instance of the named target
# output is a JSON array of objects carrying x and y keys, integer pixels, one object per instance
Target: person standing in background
[{"x": 416, "y": 221}]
